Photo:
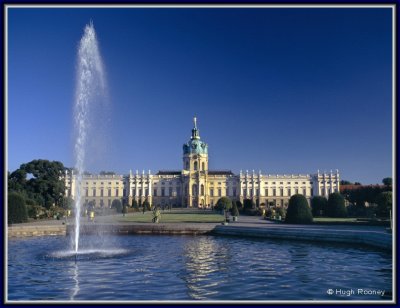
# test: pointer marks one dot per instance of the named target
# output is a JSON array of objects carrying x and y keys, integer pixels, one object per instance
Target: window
[
  {"x": 147, "y": 191},
  {"x": 296, "y": 182},
  {"x": 155, "y": 192},
  {"x": 258, "y": 191},
  {"x": 311, "y": 183},
  {"x": 273, "y": 183},
  {"x": 195, "y": 165},
  {"x": 109, "y": 192},
  {"x": 219, "y": 183},
  {"x": 211, "y": 183},
  {"x": 109, "y": 202},
  {"x": 170, "y": 192},
  {"x": 266, "y": 192},
  {"x": 202, "y": 189},
  {"x": 245, "y": 192},
  {"x": 274, "y": 192},
  {"x": 211, "y": 192},
  {"x": 101, "y": 183},
  {"x": 116, "y": 192},
  {"x": 219, "y": 192},
  {"x": 140, "y": 192},
  {"x": 203, "y": 166},
  {"x": 251, "y": 192},
  {"x": 109, "y": 183},
  {"x": 312, "y": 192},
  {"x": 86, "y": 192},
  {"x": 101, "y": 192},
  {"x": 304, "y": 183},
  {"x": 289, "y": 192},
  {"x": 163, "y": 192},
  {"x": 124, "y": 192},
  {"x": 304, "y": 191},
  {"x": 281, "y": 191},
  {"x": 296, "y": 191},
  {"x": 178, "y": 191},
  {"x": 281, "y": 183},
  {"x": 194, "y": 190}
]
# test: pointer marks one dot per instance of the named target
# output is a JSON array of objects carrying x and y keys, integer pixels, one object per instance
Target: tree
[
  {"x": 116, "y": 204},
  {"x": 384, "y": 201},
  {"x": 107, "y": 173},
  {"x": 248, "y": 204},
  {"x": 387, "y": 181},
  {"x": 357, "y": 183},
  {"x": 298, "y": 211},
  {"x": 134, "y": 204},
  {"x": 17, "y": 211},
  {"x": 318, "y": 205},
  {"x": 336, "y": 206},
  {"x": 239, "y": 205},
  {"x": 223, "y": 203},
  {"x": 344, "y": 182},
  {"x": 235, "y": 211},
  {"x": 40, "y": 180}
]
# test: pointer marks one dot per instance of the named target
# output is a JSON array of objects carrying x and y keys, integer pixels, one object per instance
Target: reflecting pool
[{"x": 154, "y": 267}]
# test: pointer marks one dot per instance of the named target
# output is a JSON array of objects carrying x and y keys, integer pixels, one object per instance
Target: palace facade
[{"x": 197, "y": 186}]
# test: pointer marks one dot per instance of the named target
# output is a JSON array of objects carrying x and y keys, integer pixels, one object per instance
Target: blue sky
[{"x": 282, "y": 90}]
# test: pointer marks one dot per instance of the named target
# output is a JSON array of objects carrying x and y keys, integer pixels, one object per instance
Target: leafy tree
[
  {"x": 336, "y": 206},
  {"x": 17, "y": 211},
  {"x": 40, "y": 180},
  {"x": 357, "y": 183},
  {"x": 248, "y": 204},
  {"x": 235, "y": 211},
  {"x": 223, "y": 203},
  {"x": 239, "y": 205},
  {"x": 298, "y": 211},
  {"x": 387, "y": 181},
  {"x": 318, "y": 205},
  {"x": 116, "y": 204},
  {"x": 344, "y": 182},
  {"x": 384, "y": 201}
]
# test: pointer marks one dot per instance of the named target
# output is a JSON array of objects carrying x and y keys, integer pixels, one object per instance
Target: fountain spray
[{"x": 90, "y": 79}]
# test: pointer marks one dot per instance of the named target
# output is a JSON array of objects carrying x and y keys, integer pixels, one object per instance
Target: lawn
[
  {"x": 330, "y": 219},
  {"x": 172, "y": 217}
]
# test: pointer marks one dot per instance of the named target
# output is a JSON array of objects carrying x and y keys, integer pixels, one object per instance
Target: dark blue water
[{"x": 153, "y": 267}]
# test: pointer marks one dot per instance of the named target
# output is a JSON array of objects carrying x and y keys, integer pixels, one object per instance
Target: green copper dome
[{"x": 195, "y": 145}]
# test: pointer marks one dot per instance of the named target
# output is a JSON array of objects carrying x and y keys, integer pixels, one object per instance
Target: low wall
[
  {"x": 22, "y": 231},
  {"x": 370, "y": 238},
  {"x": 119, "y": 229}
]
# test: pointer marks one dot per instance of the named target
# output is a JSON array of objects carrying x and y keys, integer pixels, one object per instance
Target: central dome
[{"x": 195, "y": 145}]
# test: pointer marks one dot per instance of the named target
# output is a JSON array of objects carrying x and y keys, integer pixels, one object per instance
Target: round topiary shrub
[
  {"x": 336, "y": 207},
  {"x": 298, "y": 211},
  {"x": 116, "y": 204},
  {"x": 318, "y": 206},
  {"x": 17, "y": 211},
  {"x": 235, "y": 211},
  {"x": 223, "y": 203}
]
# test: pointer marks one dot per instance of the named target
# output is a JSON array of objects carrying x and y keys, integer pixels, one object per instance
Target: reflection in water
[
  {"x": 206, "y": 264},
  {"x": 76, "y": 289}
]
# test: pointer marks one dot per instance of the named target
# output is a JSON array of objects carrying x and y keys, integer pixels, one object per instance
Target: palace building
[{"x": 198, "y": 186}]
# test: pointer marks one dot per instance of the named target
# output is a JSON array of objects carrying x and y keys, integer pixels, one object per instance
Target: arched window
[
  {"x": 194, "y": 190},
  {"x": 187, "y": 165},
  {"x": 202, "y": 189},
  {"x": 195, "y": 165},
  {"x": 203, "y": 166}
]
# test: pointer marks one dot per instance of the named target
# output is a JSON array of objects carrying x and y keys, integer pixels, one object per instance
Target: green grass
[
  {"x": 330, "y": 219},
  {"x": 171, "y": 217}
]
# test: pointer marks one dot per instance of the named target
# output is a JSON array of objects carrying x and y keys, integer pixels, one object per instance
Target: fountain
[{"x": 90, "y": 79}]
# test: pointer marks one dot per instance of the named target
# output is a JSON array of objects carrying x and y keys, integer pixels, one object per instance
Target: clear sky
[{"x": 278, "y": 90}]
